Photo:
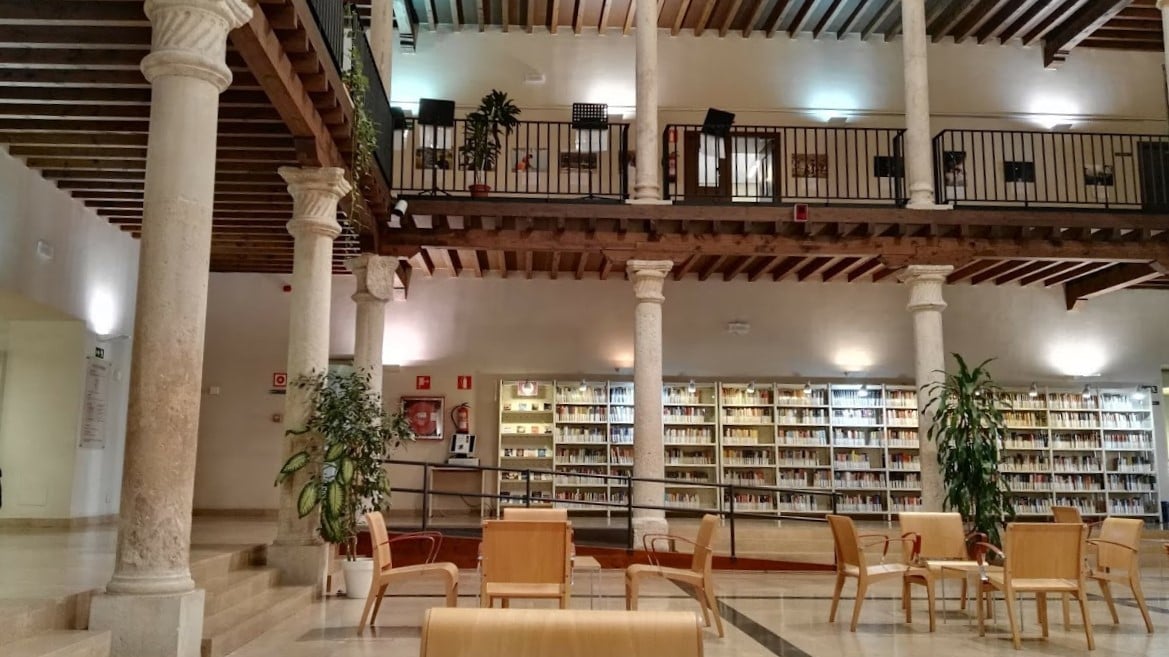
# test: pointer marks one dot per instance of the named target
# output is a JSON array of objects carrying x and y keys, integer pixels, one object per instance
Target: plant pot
[
  {"x": 480, "y": 191},
  {"x": 358, "y": 577}
]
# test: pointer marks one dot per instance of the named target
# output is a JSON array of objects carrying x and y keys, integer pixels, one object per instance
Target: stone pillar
[
  {"x": 375, "y": 286},
  {"x": 381, "y": 39},
  {"x": 647, "y": 187},
  {"x": 918, "y": 150},
  {"x": 151, "y": 605},
  {"x": 298, "y": 551},
  {"x": 1163, "y": 5},
  {"x": 926, "y": 303},
  {"x": 648, "y": 450}
]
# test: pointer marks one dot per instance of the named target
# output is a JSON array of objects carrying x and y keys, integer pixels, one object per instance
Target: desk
[{"x": 450, "y": 479}]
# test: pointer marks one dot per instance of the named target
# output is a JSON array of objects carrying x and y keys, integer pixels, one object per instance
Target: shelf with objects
[
  {"x": 527, "y": 425},
  {"x": 690, "y": 439},
  {"x": 747, "y": 445},
  {"x": 581, "y": 436}
]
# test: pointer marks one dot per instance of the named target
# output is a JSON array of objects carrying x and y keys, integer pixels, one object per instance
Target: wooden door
[
  {"x": 1154, "y": 166},
  {"x": 707, "y": 178}
]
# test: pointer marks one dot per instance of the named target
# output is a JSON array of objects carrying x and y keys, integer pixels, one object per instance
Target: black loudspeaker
[
  {"x": 436, "y": 112},
  {"x": 590, "y": 116},
  {"x": 717, "y": 123},
  {"x": 398, "y": 119}
]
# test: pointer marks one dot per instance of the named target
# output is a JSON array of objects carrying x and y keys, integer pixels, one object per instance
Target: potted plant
[
  {"x": 968, "y": 428},
  {"x": 482, "y": 137},
  {"x": 346, "y": 477}
]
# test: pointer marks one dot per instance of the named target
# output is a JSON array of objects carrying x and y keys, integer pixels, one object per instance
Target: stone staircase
[
  {"x": 243, "y": 600},
  {"x": 46, "y": 628}
]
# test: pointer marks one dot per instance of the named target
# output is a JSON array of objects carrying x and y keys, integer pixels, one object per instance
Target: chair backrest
[
  {"x": 846, "y": 543},
  {"x": 1125, "y": 531},
  {"x": 1041, "y": 550},
  {"x": 381, "y": 541},
  {"x": 942, "y": 535},
  {"x": 703, "y": 544},
  {"x": 525, "y": 513},
  {"x": 1066, "y": 514},
  {"x": 526, "y": 551}
]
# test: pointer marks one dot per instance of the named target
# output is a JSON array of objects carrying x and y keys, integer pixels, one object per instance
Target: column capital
[
  {"x": 648, "y": 277},
  {"x": 1163, "y": 5},
  {"x": 925, "y": 286},
  {"x": 315, "y": 192},
  {"x": 375, "y": 277},
  {"x": 189, "y": 38}
]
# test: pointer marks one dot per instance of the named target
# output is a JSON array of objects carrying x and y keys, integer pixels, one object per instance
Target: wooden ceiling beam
[
  {"x": 732, "y": 13},
  {"x": 91, "y": 35},
  {"x": 122, "y": 12},
  {"x": 814, "y": 265},
  {"x": 732, "y": 272},
  {"x": 505, "y": 14},
  {"x": 862, "y": 270},
  {"x": 983, "y": 11},
  {"x": 1027, "y": 270},
  {"x": 554, "y": 267},
  {"x": 801, "y": 17},
  {"x": 1080, "y": 26},
  {"x": 629, "y": 14},
  {"x": 703, "y": 18},
  {"x": 683, "y": 7},
  {"x": 497, "y": 262},
  {"x": 1006, "y": 15},
  {"x": 554, "y": 15},
  {"x": 582, "y": 262},
  {"x": 1114, "y": 278},
  {"x": 681, "y": 270},
  {"x": 712, "y": 267},
  {"x": 1036, "y": 12},
  {"x": 479, "y": 14},
  {"x": 433, "y": 21},
  {"x": 603, "y": 20},
  {"x": 528, "y": 258},
  {"x": 1053, "y": 268},
  {"x": 839, "y": 268},
  {"x": 775, "y": 18},
  {"x": 469, "y": 261},
  {"x": 606, "y": 268},
  {"x": 120, "y": 111},
  {"x": 1122, "y": 44},
  {"x": 962, "y": 273},
  {"x": 1004, "y": 267},
  {"x": 941, "y": 26},
  {"x": 786, "y": 267},
  {"x": 1081, "y": 269},
  {"x": 578, "y": 16},
  {"x": 456, "y": 15},
  {"x": 1066, "y": 8},
  {"x": 753, "y": 18},
  {"x": 850, "y": 22},
  {"x": 830, "y": 15},
  {"x": 879, "y": 18}
]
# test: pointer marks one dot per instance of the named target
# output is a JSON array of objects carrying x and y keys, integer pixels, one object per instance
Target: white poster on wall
[{"x": 93, "y": 415}]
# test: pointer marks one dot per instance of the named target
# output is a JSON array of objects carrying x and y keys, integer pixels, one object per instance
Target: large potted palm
[
  {"x": 968, "y": 428},
  {"x": 483, "y": 133},
  {"x": 346, "y": 476}
]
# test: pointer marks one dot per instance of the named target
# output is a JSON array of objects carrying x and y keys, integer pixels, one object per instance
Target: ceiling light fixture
[
  {"x": 751, "y": 388},
  {"x": 691, "y": 387},
  {"x": 808, "y": 389},
  {"x": 584, "y": 386},
  {"x": 1087, "y": 393},
  {"x": 863, "y": 391},
  {"x": 1138, "y": 394},
  {"x": 1033, "y": 392}
]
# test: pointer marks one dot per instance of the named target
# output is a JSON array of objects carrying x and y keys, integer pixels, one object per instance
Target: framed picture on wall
[
  {"x": 809, "y": 165},
  {"x": 425, "y": 415}
]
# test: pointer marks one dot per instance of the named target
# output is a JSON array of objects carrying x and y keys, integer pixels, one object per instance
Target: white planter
[{"x": 358, "y": 577}]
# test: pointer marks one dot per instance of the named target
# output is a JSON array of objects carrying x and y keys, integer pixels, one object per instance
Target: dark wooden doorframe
[
  {"x": 1153, "y": 164},
  {"x": 723, "y": 191}
]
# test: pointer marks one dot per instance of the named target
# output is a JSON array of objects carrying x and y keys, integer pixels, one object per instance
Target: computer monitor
[{"x": 462, "y": 445}]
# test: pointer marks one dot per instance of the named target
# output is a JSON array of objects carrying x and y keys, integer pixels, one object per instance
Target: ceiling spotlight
[
  {"x": 691, "y": 387},
  {"x": 1138, "y": 394},
  {"x": 751, "y": 388},
  {"x": 1087, "y": 393},
  {"x": 1033, "y": 392},
  {"x": 584, "y": 387},
  {"x": 808, "y": 389},
  {"x": 863, "y": 391}
]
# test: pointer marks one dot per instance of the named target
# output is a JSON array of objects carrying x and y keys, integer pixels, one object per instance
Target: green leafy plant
[
  {"x": 363, "y": 130},
  {"x": 346, "y": 478},
  {"x": 968, "y": 429},
  {"x": 483, "y": 132}
]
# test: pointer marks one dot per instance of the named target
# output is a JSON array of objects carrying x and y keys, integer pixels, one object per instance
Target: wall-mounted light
[
  {"x": 1138, "y": 394},
  {"x": 863, "y": 391},
  {"x": 691, "y": 387},
  {"x": 583, "y": 386},
  {"x": 1087, "y": 393},
  {"x": 1033, "y": 392},
  {"x": 751, "y": 388},
  {"x": 808, "y": 389}
]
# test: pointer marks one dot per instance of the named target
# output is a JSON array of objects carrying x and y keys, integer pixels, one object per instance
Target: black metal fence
[
  {"x": 1052, "y": 169},
  {"x": 377, "y": 106},
  {"x": 330, "y": 15},
  {"x": 548, "y": 159},
  {"x": 775, "y": 164}
]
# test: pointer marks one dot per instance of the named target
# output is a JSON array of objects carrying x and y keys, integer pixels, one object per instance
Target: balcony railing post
[
  {"x": 629, "y": 511},
  {"x": 665, "y": 163},
  {"x": 623, "y": 161},
  {"x": 425, "y": 495},
  {"x": 527, "y": 488}
]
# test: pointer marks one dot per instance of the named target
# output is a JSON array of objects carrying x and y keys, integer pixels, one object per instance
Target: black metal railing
[
  {"x": 1052, "y": 169},
  {"x": 531, "y": 478},
  {"x": 777, "y": 164},
  {"x": 547, "y": 159},
  {"x": 377, "y": 107},
  {"x": 330, "y": 16}
]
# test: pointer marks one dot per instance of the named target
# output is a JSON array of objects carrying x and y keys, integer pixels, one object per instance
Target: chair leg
[
  {"x": 836, "y": 597},
  {"x": 931, "y": 597},
  {"x": 856, "y": 607},
  {"x": 1106, "y": 590},
  {"x": 712, "y": 603},
  {"x": 505, "y": 603},
  {"x": 979, "y": 593},
  {"x": 1010, "y": 596},
  {"x": 906, "y": 600},
  {"x": 452, "y": 594},
  {"x": 965, "y": 592},
  {"x": 631, "y": 593},
  {"x": 374, "y": 594},
  {"x": 1041, "y": 612},
  {"x": 1067, "y": 613},
  {"x": 1134, "y": 582},
  {"x": 1083, "y": 597}
]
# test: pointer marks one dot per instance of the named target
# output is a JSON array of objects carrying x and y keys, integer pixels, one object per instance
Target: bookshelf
[{"x": 856, "y": 438}]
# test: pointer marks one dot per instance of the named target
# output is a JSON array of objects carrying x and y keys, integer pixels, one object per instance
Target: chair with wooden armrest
[
  {"x": 1118, "y": 560},
  {"x": 851, "y": 561},
  {"x": 939, "y": 540},
  {"x": 1071, "y": 515},
  {"x": 525, "y": 559},
  {"x": 697, "y": 578},
  {"x": 1040, "y": 558},
  {"x": 384, "y": 572}
]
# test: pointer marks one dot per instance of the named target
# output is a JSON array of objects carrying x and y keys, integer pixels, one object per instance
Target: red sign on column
[
  {"x": 464, "y": 382},
  {"x": 422, "y": 382},
  {"x": 279, "y": 380}
]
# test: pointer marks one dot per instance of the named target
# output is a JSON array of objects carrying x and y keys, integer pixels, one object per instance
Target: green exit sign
[{"x": 99, "y": 352}]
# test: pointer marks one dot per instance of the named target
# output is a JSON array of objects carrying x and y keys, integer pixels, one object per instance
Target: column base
[
  {"x": 648, "y": 201},
  {"x": 643, "y": 525},
  {"x": 300, "y": 565},
  {"x": 169, "y": 625},
  {"x": 929, "y": 205}
]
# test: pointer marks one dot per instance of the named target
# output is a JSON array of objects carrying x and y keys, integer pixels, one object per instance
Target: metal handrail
[{"x": 730, "y": 513}]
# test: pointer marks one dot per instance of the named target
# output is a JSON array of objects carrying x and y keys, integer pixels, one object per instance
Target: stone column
[
  {"x": 381, "y": 39},
  {"x": 918, "y": 151},
  {"x": 926, "y": 303},
  {"x": 1163, "y": 5},
  {"x": 298, "y": 551},
  {"x": 375, "y": 286},
  {"x": 648, "y": 450},
  {"x": 647, "y": 187},
  {"x": 151, "y": 605}
]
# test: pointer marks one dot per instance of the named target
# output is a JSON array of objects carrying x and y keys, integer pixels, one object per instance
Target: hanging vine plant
[{"x": 363, "y": 130}]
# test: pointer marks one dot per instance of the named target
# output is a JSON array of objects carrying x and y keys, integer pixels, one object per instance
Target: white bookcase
[{"x": 855, "y": 438}]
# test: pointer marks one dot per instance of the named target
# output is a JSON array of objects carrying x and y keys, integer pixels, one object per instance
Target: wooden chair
[
  {"x": 851, "y": 561},
  {"x": 384, "y": 572},
  {"x": 525, "y": 559},
  {"x": 1071, "y": 515},
  {"x": 697, "y": 578},
  {"x": 1040, "y": 558},
  {"x": 937, "y": 540},
  {"x": 1118, "y": 560}
]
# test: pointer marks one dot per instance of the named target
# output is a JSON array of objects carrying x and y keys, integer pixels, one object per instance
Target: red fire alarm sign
[
  {"x": 422, "y": 383},
  {"x": 464, "y": 382},
  {"x": 800, "y": 212},
  {"x": 279, "y": 380}
]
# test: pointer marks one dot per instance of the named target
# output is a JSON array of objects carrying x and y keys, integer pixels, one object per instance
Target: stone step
[
  {"x": 60, "y": 643},
  {"x": 235, "y": 626},
  {"x": 212, "y": 565},
  {"x": 22, "y": 618},
  {"x": 237, "y": 586}
]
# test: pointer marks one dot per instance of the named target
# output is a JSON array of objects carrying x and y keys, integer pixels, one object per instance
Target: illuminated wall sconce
[
  {"x": 1033, "y": 392},
  {"x": 691, "y": 387}
]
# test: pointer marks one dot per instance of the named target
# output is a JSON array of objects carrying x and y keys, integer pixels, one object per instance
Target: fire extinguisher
[{"x": 461, "y": 417}]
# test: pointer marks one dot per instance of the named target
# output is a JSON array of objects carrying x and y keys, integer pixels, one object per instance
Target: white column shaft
[
  {"x": 918, "y": 153},
  {"x": 1163, "y": 5},
  {"x": 369, "y": 332},
  {"x": 648, "y": 183},
  {"x": 648, "y": 447},
  {"x": 381, "y": 39}
]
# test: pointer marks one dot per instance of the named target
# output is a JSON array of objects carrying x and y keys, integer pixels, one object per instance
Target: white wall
[
  {"x": 86, "y": 288},
  {"x": 781, "y": 80},
  {"x": 491, "y": 328}
]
